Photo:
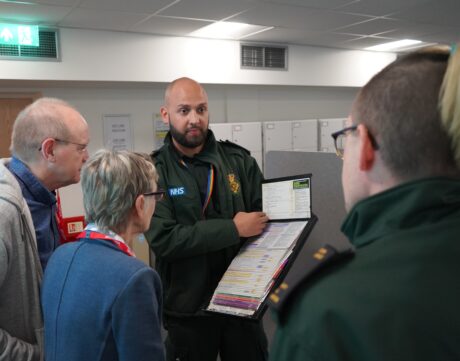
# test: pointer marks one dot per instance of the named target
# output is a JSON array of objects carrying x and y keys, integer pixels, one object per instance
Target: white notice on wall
[
  {"x": 117, "y": 132},
  {"x": 161, "y": 129}
]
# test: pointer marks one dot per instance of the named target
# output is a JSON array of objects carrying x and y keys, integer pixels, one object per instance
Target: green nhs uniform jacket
[
  {"x": 194, "y": 248},
  {"x": 398, "y": 298}
]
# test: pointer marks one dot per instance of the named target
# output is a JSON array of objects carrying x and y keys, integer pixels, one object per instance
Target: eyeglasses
[
  {"x": 159, "y": 195},
  {"x": 80, "y": 147},
  {"x": 339, "y": 139}
]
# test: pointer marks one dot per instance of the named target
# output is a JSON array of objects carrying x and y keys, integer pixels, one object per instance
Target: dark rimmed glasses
[
  {"x": 159, "y": 195},
  {"x": 80, "y": 147},
  {"x": 339, "y": 139}
]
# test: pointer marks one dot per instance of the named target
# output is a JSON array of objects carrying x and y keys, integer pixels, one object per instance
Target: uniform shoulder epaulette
[
  {"x": 315, "y": 260},
  {"x": 155, "y": 153},
  {"x": 233, "y": 145}
]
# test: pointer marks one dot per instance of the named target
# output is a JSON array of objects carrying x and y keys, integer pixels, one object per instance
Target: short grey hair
[
  {"x": 111, "y": 181},
  {"x": 36, "y": 122}
]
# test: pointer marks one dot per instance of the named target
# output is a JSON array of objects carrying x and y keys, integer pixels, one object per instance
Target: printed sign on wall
[{"x": 117, "y": 132}]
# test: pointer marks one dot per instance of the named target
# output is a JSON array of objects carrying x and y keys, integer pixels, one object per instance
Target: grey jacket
[{"x": 21, "y": 323}]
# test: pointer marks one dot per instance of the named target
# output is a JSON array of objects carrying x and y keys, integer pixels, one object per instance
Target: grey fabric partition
[{"x": 327, "y": 200}]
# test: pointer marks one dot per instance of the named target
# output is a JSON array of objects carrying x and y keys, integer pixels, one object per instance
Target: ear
[
  {"x": 367, "y": 151},
  {"x": 164, "y": 114},
  {"x": 48, "y": 149},
  {"x": 139, "y": 205}
]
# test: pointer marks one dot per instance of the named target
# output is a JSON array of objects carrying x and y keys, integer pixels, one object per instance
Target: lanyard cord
[
  {"x": 209, "y": 186},
  {"x": 104, "y": 237}
]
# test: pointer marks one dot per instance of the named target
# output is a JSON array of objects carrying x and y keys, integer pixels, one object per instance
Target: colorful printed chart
[{"x": 252, "y": 273}]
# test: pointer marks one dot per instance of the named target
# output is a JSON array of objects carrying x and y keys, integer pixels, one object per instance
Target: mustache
[{"x": 194, "y": 127}]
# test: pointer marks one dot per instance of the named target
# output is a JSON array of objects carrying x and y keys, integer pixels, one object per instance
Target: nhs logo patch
[{"x": 175, "y": 192}]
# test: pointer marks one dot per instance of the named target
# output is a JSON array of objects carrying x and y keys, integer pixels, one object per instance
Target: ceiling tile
[
  {"x": 98, "y": 19},
  {"x": 366, "y": 42},
  {"x": 310, "y": 22},
  {"x": 441, "y": 12},
  {"x": 411, "y": 30},
  {"x": 207, "y": 9},
  {"x": 132, "y": 6},
  {"x": 371, "y": 27},
  {"x": 297, "y": 17},
  {"x": 301, "y": 37},
  {"x": 379, "y": 7},
  {"x": 37, "y": 14},
  {"x": 448, "y": 37},
  {"x": 169, "y": 26},
  {"x": 319, "y": 4},
  {"x": 56, "y": 2}
]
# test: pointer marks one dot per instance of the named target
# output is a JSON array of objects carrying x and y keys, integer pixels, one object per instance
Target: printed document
[{"x": 288, "y": 199}]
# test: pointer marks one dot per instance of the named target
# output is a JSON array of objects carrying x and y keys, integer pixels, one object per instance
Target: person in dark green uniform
[
  {"x": 398, "y": 297},
  {"x": 212, "y": 205}
]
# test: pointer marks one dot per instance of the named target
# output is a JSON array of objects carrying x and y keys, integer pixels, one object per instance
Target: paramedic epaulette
[
  {"x": 154, "y": 154},
  {"x": 234, "y": 145},
  {"x": 315, "y": 260}
]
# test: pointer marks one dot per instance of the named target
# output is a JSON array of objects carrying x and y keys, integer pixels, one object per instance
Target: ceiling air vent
[
  {"x": 263, "y": 57},
  {"x": 48, "y": 49}
]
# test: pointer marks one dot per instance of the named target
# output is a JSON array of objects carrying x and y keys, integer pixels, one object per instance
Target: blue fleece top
[
  {"x": 99, "y": 304},
  {"x": 42, "y": 205}
]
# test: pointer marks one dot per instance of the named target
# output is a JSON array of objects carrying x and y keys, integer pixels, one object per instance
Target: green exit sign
[{"x": 12, "y": 34}]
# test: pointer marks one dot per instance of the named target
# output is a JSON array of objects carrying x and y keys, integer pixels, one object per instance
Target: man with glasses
[
  {"x": 397, "y": 298},
  {"x": 49, "y": 147}
]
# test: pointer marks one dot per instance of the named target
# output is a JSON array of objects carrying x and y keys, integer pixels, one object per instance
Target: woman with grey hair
[{"x": 99, "y": 301}]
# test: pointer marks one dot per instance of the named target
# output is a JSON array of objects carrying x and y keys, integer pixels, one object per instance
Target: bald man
[
  {"x": 49, "y": 146},
  {"x": 213, "y": 204}
]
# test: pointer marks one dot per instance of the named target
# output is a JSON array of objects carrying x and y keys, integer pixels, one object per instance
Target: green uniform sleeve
[
  {"x": 171, "y": 240},
  {"x": 254, "y": 179},
  {"x": 287, "y": 347}
]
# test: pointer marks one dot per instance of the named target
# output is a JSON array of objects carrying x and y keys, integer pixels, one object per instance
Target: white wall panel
[
  {"x": 305, "y": 135},
  {"x": 222, "y": 131},
  {"x": 90, "y": 55},
  {"x": 328, "y": 126},
  {"x": 277, "y": 136},
  {"x": 248, "y": 135}
]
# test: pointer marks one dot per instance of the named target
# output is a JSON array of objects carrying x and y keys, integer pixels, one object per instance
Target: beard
[{"x": 186, "y": 140}]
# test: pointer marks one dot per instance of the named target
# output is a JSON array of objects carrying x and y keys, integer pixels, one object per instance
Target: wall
[
  {"x": 89, "y": 55},
  {"x": 103, "y": 72},
  {"x": 228, "y": 103}
]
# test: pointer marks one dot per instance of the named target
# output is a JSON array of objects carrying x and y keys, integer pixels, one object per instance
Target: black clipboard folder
[{"x": 263, "y": 261}]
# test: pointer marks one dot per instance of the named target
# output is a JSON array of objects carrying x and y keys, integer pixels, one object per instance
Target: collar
[
  {"x": 402, "y": 207},
  {"x": 206, "y": 154},
  {"x": 95, "y": 228},
  {"x": 28, "y": 181},
  {"x": 93, "y": 231}
]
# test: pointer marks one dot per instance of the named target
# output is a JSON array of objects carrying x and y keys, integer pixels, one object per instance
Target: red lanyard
[
  {"x": 96, "y": 235},
  {"x": 60, "y": 219}
]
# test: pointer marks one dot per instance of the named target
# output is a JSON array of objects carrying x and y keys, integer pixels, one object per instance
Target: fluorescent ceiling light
[
  {"x": 228, "y": 30},
  {"x": 393, "y": 45}
]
